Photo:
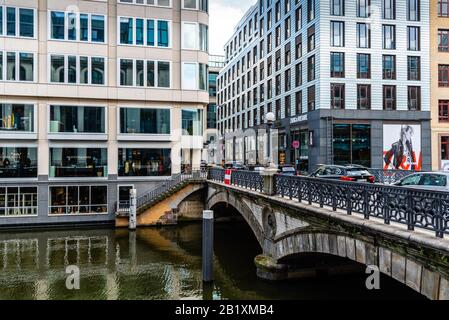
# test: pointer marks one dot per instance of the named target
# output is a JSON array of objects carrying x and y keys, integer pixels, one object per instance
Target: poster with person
[{"x": 402, "y": 147}]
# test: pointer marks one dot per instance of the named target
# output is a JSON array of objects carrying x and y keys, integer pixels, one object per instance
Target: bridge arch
[{"x": 222, "y": 197}]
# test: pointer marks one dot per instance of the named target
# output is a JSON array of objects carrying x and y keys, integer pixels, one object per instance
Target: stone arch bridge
[{"x": 400, "y": 234}]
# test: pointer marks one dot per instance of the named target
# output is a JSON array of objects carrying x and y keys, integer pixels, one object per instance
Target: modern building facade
[
  {"x": 211, "y": 150},
  {"x": 439, "y": 53},
  {"x": 348, "y": 82},
  {"x": 97, "y": 97}
]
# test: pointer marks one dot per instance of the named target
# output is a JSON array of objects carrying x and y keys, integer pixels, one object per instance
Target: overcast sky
[{"x": 224, "y": 15}]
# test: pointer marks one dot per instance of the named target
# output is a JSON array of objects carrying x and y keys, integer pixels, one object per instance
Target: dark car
[
  {"x": 235, "y": 166},
  {"x": 344, "y": 173},
  {"x": 287, "y": 171}
]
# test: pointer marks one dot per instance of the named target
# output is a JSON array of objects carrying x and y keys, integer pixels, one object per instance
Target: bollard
[
  {"x": 208, "y": 245},
  {"x": 132, "y": 209}
]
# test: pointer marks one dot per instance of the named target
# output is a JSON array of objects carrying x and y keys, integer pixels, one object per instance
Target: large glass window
[
  {"x": 189, "y": 76},
  {"x": 97, "y": 32},
  {"x": 352, "y": 144},
  {"x": 413, "y": 39},
  {"x": 163, "y": 34},
  {"x": 389, "y": 9},
  {"x": 16, "y": 117},
  {"x": 26, "y": 65},
  {"x": 26, "y": 22},
  {"x": 77, "y": 119},
  {"x": 389, "y": 67},
  {"x": 389, "y": 36},
  {"x": 126, "y": 30},
  {"x": 144, "y": 121},
  {"x": 192, "y": 122},
  {"x": 363, "y": 8},
  {"x": 11, "y": 21},
  {"x": 337, "y": 64},
  {"x": 144, "y": 162},
  {"x": 414, "y": 68},
  {"x": 363, "y": 65},
  {"x": 163, "y": 74},
  {"x": 18, "y": 162},
  {"x": 413, "y": 10},
  {"x": 337, "y": 7},
  {"x": 78, "y": 162},
  {"x": 91, "y": 69},
  {"x": 11, "y": 66},
  {"x": 363, "y": 35},
  {"x": 211, "y": 116},
  {"x": 189, "y": 35},
  {"x": 18, "y": 201},
  {"x": 78, "y": 200},
  {"x": 337, "y": 34},
  {"x": 75, "y": 26}
]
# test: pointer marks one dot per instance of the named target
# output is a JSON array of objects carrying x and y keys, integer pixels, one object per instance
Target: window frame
[
  {"x": 17, "y": 22},
  {"x": 78, "y": 68},
  {"x": 3, "y": 76},
  {"x": 145, "y": 69},
  {"x": 145, "y": 33}
]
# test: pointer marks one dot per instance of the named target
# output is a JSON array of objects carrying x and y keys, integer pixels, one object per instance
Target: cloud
[{"x": 223, "y": 17}]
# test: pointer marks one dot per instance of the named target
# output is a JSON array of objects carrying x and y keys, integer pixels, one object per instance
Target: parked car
[
  {"x": 436, "y": 181},
  {"x": 234, "y": 165},
  {"x": 287, "y": 171},
  {"x": 344, "y": 173}
]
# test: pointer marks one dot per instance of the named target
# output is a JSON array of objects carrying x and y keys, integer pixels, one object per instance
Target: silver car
[{"x": 436, "y": 181}]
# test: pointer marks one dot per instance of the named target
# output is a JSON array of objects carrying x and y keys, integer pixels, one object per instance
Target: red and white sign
[
  {"x": 296, "y": 144},
  {"x": 228, "y": 174}
]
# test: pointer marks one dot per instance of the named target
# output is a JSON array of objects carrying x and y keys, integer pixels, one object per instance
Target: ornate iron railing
[
  {"x": 389, "y": 176},
  {"x": 414, "y": 208},
  {"x": 247, "y": 179},
  {"x": 152, "y": 195}
]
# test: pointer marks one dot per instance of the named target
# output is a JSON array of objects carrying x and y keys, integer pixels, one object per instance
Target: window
[
  {"x": 389, "y": 9},
  {"x": 298, "y": 74},
  {"x": 144, "y": 121},
  {"x": 413, "y": 41},
  {"x": 17, "y": 22},
  {"x": 363, "y": 66},
  {"x": 352, "y": 144},
  {"x": 191, "y": 4},
  {"x": 363, "y": 96},
  {"x": 73, "y": 26},
  {"x": 337, "y": 65},
  {"x": 311, "y": 98},
  {"x": 161, "y": 3},
  {"x": 298, "y": 102},
  {"x": 142, "y": 73},
  {"x": 19, "y": 66},
  {"x": 413, "y": 10},
  {"x": 287, "y": 28},
  {"x": 414, "y": 68},
  {"x": 77, "y": 119},
  {"x": 389, "y": 97},
  {"x": 310, "y": 10},
  {"x": 337, "y": 7},
  {"x": 91, "y": 70},
  {"x": 192, "y": 122},
  {"x": 389, "y": 36},
  {"x": 443, "y": 40},
  {"x": 389, "y": 67},
  {"x": 16, "y": 118},
  {"x": 337, "y": 34},
  {"x": 443, "y": 8},
  {"x": 298, "y": 18},
  {"x": 443, "y": 110},
  {"x": 443, "y": 75},
  {"x": 18, "y": 162},
  {"x": 211, "y": 116},
  {"x": 445, "y": 148},
  {"x": 337, "y": 96},
  {"x": 414, "y": 98},
  {"x": 311, "y": 68},
  {"x": 298, "y": 47},
  {"x": 363, "y": 8},
  {"x": 288, "y": 80},
  {"x": 144, "y": 32},
  {"x": 278, "y": 10},
  {"x": 78, "y": 162},
  {"x": 311, "y": 38},
  {"x": 66, "y": 200},
  {"x": 363, "y": 35},
  {"x": 194, "y": 36},
  {"x": 18, "y": 201},
  {"x": 194, "y": 76}
]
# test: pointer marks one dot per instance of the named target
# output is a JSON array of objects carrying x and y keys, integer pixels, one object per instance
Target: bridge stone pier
[{"x": 285, "y": 228}]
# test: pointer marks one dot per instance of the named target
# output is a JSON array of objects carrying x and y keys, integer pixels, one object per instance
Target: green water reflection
[{"x": 156, "y": 264}]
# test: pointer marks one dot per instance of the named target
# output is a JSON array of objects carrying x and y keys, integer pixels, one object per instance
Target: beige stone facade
[
  {"x": 43, "y": 92},
  {"x": 440, "y": 128}
]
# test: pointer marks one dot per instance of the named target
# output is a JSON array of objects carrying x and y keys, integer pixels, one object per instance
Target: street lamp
[{"x": 270, "y": 120}]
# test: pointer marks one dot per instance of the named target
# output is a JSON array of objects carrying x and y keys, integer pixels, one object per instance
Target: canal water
[{"x": 158, "y": 263}]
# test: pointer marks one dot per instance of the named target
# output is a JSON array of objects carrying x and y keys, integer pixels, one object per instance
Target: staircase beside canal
[{"x": 159, "y": 206}]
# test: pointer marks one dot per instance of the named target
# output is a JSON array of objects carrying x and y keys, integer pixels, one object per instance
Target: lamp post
[{"x": 270, "y": 120}]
